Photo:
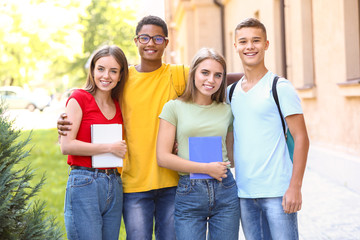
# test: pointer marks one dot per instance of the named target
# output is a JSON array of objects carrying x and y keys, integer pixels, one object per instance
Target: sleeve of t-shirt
[
  {"x": 80, "y": 96},
  {"x": 290, "y": 103},
  {"x": 168, "y": 112}
]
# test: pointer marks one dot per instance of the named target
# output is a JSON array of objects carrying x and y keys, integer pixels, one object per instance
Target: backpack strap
[
  {"x": 178, "y": 78},
  {"x": 275, "y": 95},
  {"x": 231, "y": 91}
]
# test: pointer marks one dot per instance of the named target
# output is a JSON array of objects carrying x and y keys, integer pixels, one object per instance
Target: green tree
[
  {"x": 46, "y": 42},
  {"x": 103, "y": 23},
  {"x": 108, "y": 22},
  {"x": 37, "y": 40},
  {"x": 20, "y": 217}
]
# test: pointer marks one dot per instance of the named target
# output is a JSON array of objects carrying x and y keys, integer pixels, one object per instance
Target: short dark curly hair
[{"x": 152, "y": 20}]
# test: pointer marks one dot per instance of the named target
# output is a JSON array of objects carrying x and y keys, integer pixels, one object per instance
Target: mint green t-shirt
[{"x": 193, "y": 120}]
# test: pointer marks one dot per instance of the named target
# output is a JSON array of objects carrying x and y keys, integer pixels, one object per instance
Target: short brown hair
[
  {"x": 120, "y": 58},
  {"x": 201, "y": 55},
  {"x": 251, "y": 23}
]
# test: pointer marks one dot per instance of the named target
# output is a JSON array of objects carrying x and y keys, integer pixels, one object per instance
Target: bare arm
[
  {"x": 230, "y": 147},
  {"x": 167, "y": 159},
  {"x": 71, "y": 146},
  {"x": 292, "y": 199}
]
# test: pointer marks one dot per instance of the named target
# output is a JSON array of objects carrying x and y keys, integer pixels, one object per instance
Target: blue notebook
[{"x": 204, "y": 150}]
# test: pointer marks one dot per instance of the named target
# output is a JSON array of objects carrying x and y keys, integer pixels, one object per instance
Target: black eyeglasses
[{"x": 157, "y": 39}]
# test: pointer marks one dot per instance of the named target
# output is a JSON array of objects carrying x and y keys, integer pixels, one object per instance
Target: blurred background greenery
[{"x": 47, "y": 43}]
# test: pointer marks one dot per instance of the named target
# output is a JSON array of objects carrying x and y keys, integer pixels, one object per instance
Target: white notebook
[{"x": 106, "y": 133}]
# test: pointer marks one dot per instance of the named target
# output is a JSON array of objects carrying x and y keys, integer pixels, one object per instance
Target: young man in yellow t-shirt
[{"x": 149, "y": 190}]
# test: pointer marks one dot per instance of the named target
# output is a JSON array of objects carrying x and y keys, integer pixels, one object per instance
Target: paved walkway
[{"x": 329, "y": 212}]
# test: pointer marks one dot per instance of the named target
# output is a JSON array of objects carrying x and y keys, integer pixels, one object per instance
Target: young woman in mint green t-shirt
[{"x": 201, "y": 112}]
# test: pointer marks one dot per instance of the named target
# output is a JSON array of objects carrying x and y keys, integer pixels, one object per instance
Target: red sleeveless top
[{"x": 91, "y": 115}]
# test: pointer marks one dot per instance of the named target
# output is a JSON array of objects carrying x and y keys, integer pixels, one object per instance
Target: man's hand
[
  {"x": 292, "y": 200},
  {"x": 63, "y": 125}
]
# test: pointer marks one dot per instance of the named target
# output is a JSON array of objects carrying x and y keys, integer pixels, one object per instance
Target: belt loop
[
  {"x": 96, "y": 173},
  {"x": 69, "y": 170}
]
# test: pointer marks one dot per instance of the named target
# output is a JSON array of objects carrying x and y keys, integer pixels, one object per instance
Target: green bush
[
  {"x": 46, "y": 158},
  {"x": 21, "y": 215}
]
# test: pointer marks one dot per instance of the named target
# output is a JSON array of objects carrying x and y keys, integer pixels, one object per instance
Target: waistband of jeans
[{"x": 108, "y": 171}]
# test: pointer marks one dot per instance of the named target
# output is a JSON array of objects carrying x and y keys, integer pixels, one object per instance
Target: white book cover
[{"x": 106, "y": 133}]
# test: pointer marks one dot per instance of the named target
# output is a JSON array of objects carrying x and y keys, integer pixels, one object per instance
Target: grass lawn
[{"x": 46, "y": 158}]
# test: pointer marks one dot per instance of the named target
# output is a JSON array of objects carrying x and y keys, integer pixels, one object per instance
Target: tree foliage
[
  {"x": 32, "y": 38},
  {"x": 20, "y": 218},
  {"x": 108, "y": 22},
  {"x": 42, "y": 41}
]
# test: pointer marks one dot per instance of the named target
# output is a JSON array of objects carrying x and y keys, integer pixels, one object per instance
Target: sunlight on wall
[{"x": 152, "y": 7}]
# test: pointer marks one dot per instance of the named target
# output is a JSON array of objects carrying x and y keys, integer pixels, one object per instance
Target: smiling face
[
  {"x": 208, "y": 78},
  {"x": 106, "y": 73},
  {"x": 151, "y": 51},
  {"x": 251, "y": 44}
]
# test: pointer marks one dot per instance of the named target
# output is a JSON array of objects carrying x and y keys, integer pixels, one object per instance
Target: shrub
[{"x": 20, "y": 217}]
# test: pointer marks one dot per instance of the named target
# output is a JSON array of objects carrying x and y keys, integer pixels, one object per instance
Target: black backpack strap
[
  {"x": 275, "y": 95},
  {"x": 232, "y": 88}
]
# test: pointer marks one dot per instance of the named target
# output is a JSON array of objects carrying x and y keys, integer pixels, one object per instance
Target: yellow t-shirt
[{"x": 144, "y": 97}]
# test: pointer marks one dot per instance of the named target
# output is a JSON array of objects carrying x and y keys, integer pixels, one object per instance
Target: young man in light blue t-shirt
[{"x": 269, "y": 184}]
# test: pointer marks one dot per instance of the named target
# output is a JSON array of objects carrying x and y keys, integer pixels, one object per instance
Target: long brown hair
[
  {"x": 201, "y": 55},
  {"x": 120, "y": 58}
]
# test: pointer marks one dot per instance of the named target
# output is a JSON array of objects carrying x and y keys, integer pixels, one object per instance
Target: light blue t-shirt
[{"x": 262, "y": 163}]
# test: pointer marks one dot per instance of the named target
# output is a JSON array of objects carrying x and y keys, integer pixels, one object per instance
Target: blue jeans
[
  {"x": 93, "y": 205},
  {"x": 202, "y": 202},
  {"x": 264, "y": 218},
  {"x": 140, "y": 208}
]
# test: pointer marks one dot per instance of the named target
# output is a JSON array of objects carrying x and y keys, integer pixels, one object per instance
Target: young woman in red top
[{"x": 93, "y": 201}]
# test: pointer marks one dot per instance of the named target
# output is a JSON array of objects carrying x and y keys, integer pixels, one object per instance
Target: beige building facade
[{"x": 313, "y": 43}]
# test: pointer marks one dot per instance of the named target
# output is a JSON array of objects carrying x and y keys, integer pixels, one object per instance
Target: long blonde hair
[{"x": 190, "y": 90}]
